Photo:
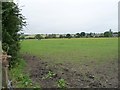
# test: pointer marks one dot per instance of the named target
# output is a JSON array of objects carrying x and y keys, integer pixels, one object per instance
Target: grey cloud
[{"x": 70, "y": 16}]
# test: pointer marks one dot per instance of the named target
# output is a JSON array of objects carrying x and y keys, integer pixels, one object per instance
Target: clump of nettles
[
  {"x": 49, "y": 75},
  {"x": 61, "y": 83}
]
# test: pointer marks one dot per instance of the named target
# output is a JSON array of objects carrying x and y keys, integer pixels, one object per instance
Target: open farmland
[{"x": 84, "y": 62}]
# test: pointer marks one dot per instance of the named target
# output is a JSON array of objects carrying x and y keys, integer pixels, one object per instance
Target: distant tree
[
  {"x": 91, "y": 34},
  {"x": 53, "y": 36},
  {"x": 108, "y": 33},
  {"x": 68, "y": 36},
  {"x": 50, "y": 36},
  {"x": 38, "y": 36},
  {"x": 101, "y": 35},
  {"x": 82, "y": 34},
  {"x": 61, "y": 36},
  {"x": 46, "y": 37},
  {"x": 77, "y": 35},
  {"x": 87, "y": 35}
]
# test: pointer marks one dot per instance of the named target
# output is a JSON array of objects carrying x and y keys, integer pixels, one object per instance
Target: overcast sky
[{"x": 70, "y": 16}]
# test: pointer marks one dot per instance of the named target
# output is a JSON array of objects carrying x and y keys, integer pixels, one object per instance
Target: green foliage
[
  {"x": 77, "y": 50},
  {"x": 68, "y": 36},
  {"x": 82, "y": 34},
  {"x": 61, "y": 83},
  {"x": 12, "y": 23},
  {"x": 49, "y": 75},
  {"x": 19, "y": 78},
  {"x": 61, "y": 36},
  {"x": 38, "y": 36},
  {"x": 108, "y": 33},
  {"x": 50, "y": 36},
  {"x": 22, "y": 37},
  {"x": 77, "y": 35}
]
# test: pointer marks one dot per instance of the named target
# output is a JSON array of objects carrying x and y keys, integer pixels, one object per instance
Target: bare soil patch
[{"x": 74, "y": 77}]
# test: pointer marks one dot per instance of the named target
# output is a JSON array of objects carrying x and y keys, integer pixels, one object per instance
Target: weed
[
  {"x": 49, "y": 75},
  {"x": 61, "y": 83},
  {"x": 20, "y": 79}
]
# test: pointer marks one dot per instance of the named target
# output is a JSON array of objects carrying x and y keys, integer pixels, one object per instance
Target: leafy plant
[
  {"x": 61, "y": 83},
  {"x": 38, "y": 36},
  {"x": 19, "y": 78},
  {"x": 49, "y": 75}
]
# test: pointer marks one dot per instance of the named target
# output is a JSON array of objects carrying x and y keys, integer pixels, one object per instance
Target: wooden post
[{"x": 5, "y": 65}]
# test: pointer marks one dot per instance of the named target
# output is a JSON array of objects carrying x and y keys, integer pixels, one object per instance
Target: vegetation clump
[
  {"x": 19, "y": 78},
  {"x": 49, "y": 75},
  {"x": 12, "y": 23},
  {"x": 61, "y": 83}
]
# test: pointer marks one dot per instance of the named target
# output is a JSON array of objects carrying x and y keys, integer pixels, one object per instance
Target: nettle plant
[
  {"x": 61, "y": 83},
  {"x": 49, "y": 75}
]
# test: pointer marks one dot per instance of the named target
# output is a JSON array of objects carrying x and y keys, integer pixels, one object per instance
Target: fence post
[{"x": 5, "y": 65}]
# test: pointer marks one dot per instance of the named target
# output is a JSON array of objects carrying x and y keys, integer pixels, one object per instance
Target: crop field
[
  {"x": 73, "y": 50},
  {"x": 85, "y": 56}
]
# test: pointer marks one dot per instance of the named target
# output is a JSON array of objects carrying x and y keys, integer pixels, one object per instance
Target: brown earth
[{"x": 99, "y": 77}]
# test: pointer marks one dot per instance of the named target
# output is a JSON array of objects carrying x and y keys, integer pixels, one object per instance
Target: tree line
[{"x": 77, "y": 35}]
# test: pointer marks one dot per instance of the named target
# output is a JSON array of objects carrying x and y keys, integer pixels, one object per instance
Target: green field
[
  {"x": 84, "y": 56},
  {"x": 83, "y": 50}
]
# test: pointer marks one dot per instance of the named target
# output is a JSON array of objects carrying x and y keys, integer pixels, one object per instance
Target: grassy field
[
  {"x": 65, "y": 57},
  {"x": 73, "y": 50}
]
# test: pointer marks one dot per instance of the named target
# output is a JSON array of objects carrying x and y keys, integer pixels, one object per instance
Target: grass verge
[{"x": 19, "y": 78}]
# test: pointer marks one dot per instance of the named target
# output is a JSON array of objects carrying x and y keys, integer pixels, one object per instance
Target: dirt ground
[{"x": 105, "y": 76}]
